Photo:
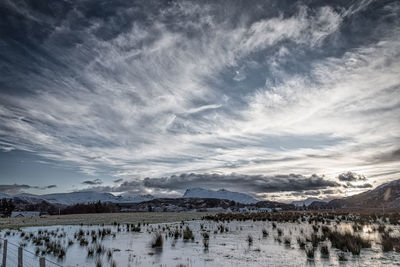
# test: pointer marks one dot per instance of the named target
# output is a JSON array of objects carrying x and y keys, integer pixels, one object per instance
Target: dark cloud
[
  {"x": 93, "y": 182},
  {"x": 366, "y": 185},
  {"x": 243, "y": 183},
  {"x": 387, "y": 157},
  {"x": 13, "y": 188},
  {"x": 20, "y": 188},
  {"x": 118, "y": 180},
  {"x": 127, "y": 186},
  {"x": 350, "y": 177},
  {"x": 307, "y": 193},
  {"x": 331, "y": 191},
  {"x": 250, "y": 184}
]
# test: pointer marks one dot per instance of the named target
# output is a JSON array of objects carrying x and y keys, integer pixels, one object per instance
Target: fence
[{"x": 13, "y": 255}]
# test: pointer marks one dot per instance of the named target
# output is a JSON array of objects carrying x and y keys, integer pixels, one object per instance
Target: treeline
[
  {"x": 6, "y": 207},
  {"x": 95, "y": 207}
]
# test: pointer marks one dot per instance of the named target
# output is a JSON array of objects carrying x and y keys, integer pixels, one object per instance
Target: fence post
[
  {"x": 4, "y": 253},
  {"x": 42, "y": 262},
  {"x": 20, "y": 257}
]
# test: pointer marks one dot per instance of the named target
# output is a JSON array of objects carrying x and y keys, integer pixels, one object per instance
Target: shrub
[
  {"x": 310, "y": 252},
  {"x": 342, "y": 256},
  {"x": 157, "y": 241},
  {"x": 301, "y": 242},
  {"x": 264, "y": 233},
  {"x": 188, "y": 234},
  {"x": 90, "y": 251},
  {"x": 250, "y": 239},
  {"x": 287, "y": 241},
  {"x": 279, "y": 230},
  {"x": 206, "y": 242},
  {"x": 348, "y": 242},
  {"x": 389, "y": 243},
  {"x": 324, "y": 251}
]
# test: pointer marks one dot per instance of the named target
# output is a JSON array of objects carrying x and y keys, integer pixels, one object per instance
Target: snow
[
  {"x": 307, "y": 202},
  {"x": 227, "y": 249},
  {"x": 220, "y": 194}
]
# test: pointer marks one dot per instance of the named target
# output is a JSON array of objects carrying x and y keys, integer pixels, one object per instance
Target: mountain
[
  {"x": 384, "y": 196},
  {"x": 2, "y": 195},
  {"x": 79, "y": 197},
  {"x": 29, "y": 198},
  {"x": 133, "y": 198},
  {"x": 220, "y": 194},
  {"x": 306, "y": 202}
]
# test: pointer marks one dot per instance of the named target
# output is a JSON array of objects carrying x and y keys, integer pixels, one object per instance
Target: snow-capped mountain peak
[{"x": 219, "y": 194}]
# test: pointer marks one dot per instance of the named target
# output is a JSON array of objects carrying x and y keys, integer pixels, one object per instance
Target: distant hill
[
  {"x": 79, "y": 198},
  {"x": 2, "y": 195},
  {"x": 133, "y": 198},
  {"x": 307, "y": 202},
  {"x": 386, "y": 195},
  {"x": 275, "y": 205},
  {"x": 220, "y": 194}
]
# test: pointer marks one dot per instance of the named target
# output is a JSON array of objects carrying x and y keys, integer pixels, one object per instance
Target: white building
[{"x": 264, "y": 209}]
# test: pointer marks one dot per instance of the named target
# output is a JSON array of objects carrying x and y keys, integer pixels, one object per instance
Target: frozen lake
[{"x": 123, "y": 246}]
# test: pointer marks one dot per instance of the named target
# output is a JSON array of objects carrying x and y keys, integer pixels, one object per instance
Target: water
[{"x": 225, "y": 249}]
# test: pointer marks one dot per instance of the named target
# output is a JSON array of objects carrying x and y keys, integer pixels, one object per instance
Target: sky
[{"x": 278, "y": 99}]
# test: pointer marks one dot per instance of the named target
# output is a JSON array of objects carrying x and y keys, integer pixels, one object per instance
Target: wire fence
[{"x": 13, "y": 255}]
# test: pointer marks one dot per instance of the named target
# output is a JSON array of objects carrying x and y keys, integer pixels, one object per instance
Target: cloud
[
  {"x": 118, "y": 180},
  {"x": 13, "y": 189},
  {"x": 6, "y": 148},
  {"x": 149, "y": 90},
  {"x": 307, "y": 193},
  {"x": 388, "y": 156},
  {"x": 126, "y": 186},
  {"x": 332, "y": 191},
  {"x": 257, "y": 185},
  {"x": 351, "y": 176},
  {"x": 93, "y": 182},
  {"x": 245, "y": 183},
  {"x": 364, "y": 185}
]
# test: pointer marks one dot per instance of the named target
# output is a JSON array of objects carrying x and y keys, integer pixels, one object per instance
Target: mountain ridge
[
  {"x": 219, "y": 194},
  {"x": 386, "y": 195},
  {"x": 79, "y": 197},
  {"x": 306, "y": 202}
]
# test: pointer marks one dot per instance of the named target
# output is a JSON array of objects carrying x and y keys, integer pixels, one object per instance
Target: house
[
  {"x": 245, "y": 209},
  {"x": 25, "y": 214},
  {"x": 264, "y": 209}
]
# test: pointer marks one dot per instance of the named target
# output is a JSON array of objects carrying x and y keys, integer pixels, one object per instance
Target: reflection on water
[{"x": 243, "y": 243}]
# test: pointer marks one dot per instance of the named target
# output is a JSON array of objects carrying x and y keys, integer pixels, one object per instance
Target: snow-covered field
[{"x": 234, "y": 243}]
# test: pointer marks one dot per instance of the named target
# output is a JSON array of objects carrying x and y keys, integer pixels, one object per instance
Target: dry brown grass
[{"x": 102, "y": 218}]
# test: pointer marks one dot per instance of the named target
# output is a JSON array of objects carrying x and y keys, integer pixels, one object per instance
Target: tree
[{"x": 6, "y": 207}]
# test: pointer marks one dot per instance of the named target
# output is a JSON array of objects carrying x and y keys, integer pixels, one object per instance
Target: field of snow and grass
[
  {"x": 286, "y": 239},
  {"x": 220, "y": 240},
  {"x": 101, "y": 218}
]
